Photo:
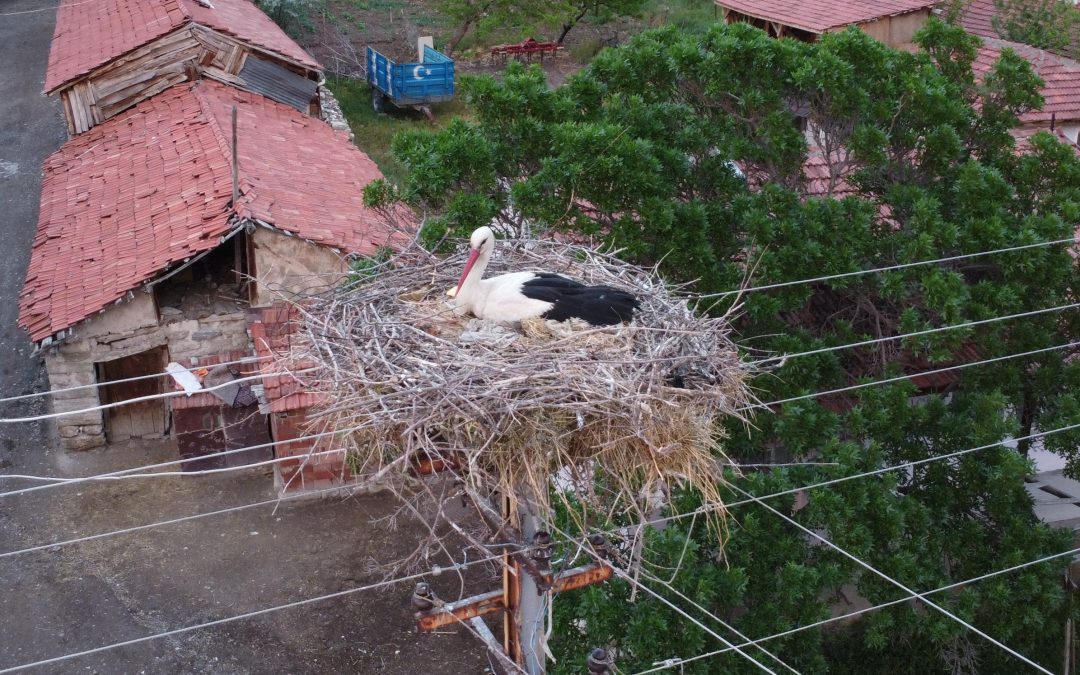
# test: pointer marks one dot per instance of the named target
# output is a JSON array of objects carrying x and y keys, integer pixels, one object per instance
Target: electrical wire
[
  {"x": 143, "y": 399},
  {"x": 622, "y": 574},
  {"x": 47, "y": 9},
  {"x": 670, "y": 587},
  {"x": 764, "y": 405},
  {"x": 901, "y": 378},
  {"x": 625, "y": 574},
  {"x": 152, "y": 376},
  {"x": 724, "y": 294},
  {"x": 783, "y": 358},
  {"x": 248, "y": 615},
  {"x": 174, "y": 521},
  {"x": 181, "y": 474},
  {"x": 890, "y": 268},
  {"x": 866, "y": 474},
  {"x": 928, "y": 331},
  {"x": 176, "y": 462},
  {"x": 655, "y": 521},
  {"x": 673, "y": 662},
  {"x": 870, "y": 568}
]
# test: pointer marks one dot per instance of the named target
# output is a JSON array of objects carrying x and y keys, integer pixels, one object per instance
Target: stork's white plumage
[{"x": 526, "y": 295}]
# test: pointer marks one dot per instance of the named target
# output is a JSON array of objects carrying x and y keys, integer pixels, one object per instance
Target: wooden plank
[
  {"x": 462, "y": 610},
  {"x": 222, "y": 76},
  {"x": 78, "y": 108},
  {"x": 158, "y": 45},
  {"x": 67, "y": 114}
]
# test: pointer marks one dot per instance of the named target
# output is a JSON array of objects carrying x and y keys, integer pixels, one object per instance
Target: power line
[
  {"x": 890, "y": 268},
  {"x": 143, "y": 399},
  {"x": 928, "y": 331},
  {"x": 48, "y": 9},
  {"x": 635, "y": 582},
  {"x": 673, "y": 662},
  {"x": 767, "y": 360},
  {"x": 175, "y": 462},
  {"x": 248, "y": 615},
  {"x": 172, "y": 521},
  {"x": 785, "y": 357},
  {"x": 181, "y": 474},
  {"x": 622, "y": 574},
  {"x": 866, "y": 474},
  {"x": 901, "y": 378},
  {"x": 655, "y": 521},
  {"x": 894, "y": 582},
  {"x": 356, "y": 428},
  {"x": 713, "y": 616},
  {"x": 153, "y": 376}
]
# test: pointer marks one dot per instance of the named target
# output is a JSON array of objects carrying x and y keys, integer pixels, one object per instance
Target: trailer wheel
[{"x": 378, "y": 102}]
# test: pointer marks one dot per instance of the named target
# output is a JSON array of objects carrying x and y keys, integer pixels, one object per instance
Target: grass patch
[
  {"x": 374, "y": 131},
  {"x": 693, "y": 16}
]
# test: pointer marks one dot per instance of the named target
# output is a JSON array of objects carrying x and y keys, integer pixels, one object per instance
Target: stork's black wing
[{"x": 597, "y": 305}]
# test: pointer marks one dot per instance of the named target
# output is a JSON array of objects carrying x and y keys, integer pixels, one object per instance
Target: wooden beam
[{"x": 462, "y": 610}]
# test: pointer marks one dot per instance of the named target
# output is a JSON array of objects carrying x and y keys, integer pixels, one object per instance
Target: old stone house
[
  {"x": 109, "y": 55},
  {"x": 143, "y": 255},
  {"x": 893, "y": 22}
]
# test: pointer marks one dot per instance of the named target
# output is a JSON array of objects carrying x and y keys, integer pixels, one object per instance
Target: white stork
[{"x": 525, "y": 295}]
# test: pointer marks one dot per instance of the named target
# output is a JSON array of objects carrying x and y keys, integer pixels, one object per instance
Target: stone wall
[
  {"x": 330, "y": 111},
  {"x": 287, "y": 266},
  {"x": 119, "y": 331}
]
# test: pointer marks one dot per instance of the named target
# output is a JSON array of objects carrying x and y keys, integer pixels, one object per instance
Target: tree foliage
[
  {"x": 689, "y": 152},
  {"x": 541, "y": 17},
  {"x": 1049, "y": 24}
]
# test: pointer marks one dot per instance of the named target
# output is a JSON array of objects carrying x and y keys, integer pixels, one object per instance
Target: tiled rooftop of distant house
[{"x": 818, "y": 16}]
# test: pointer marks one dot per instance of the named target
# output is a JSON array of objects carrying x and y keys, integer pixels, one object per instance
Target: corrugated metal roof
[{"x": 281, "y": 84}]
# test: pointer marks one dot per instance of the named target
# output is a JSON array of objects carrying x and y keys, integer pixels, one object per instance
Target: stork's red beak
[{"x": 468, "y": 268}]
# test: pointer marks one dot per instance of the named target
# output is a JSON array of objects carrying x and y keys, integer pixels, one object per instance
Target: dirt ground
[
  {"x": 83, "y": 596},
  {"x": 163, "y": 578}
]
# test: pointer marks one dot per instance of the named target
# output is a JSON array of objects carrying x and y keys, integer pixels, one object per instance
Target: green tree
[
  {"x": 598, "y": 11},
  {"x": 1049, "y": 24},
  {"x": 689, "y": 152}
]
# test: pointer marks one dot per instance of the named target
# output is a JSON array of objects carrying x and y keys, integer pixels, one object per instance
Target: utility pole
[
  {"x": 525, "y": 638},
  {"x": 527, "y": 580}
]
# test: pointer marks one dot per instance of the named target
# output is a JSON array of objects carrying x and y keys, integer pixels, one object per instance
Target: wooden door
[{"x": 145, "y": 419}]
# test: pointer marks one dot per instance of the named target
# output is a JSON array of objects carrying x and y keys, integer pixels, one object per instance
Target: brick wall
[{"x": 305, "y": 473}]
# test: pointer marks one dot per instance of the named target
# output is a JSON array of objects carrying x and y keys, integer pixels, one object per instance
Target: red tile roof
[
  {"x": 817, "y": 176},
  {"x": 91, "y": 34},
  {"x": 1023, "y": 138},
  {"x": 1061, "y": 75},
  {"x": 272, "y": 330},
  {"x": 151, "y": 187},
  {"x": 978, "y": 17},
  {"x": 818, "y": 16}
]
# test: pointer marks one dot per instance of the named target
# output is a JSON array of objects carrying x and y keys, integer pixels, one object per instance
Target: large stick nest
[{"x": 616, "y": 414}]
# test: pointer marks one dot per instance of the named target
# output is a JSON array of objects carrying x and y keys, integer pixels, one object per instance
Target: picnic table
[{"x": 524, "y": 51}]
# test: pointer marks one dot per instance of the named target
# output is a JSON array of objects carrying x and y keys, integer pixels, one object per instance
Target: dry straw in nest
[{"x": 619, "y": 414}]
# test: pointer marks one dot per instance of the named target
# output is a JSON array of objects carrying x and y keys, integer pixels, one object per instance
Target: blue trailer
[{"x": 410, "y": 85}]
